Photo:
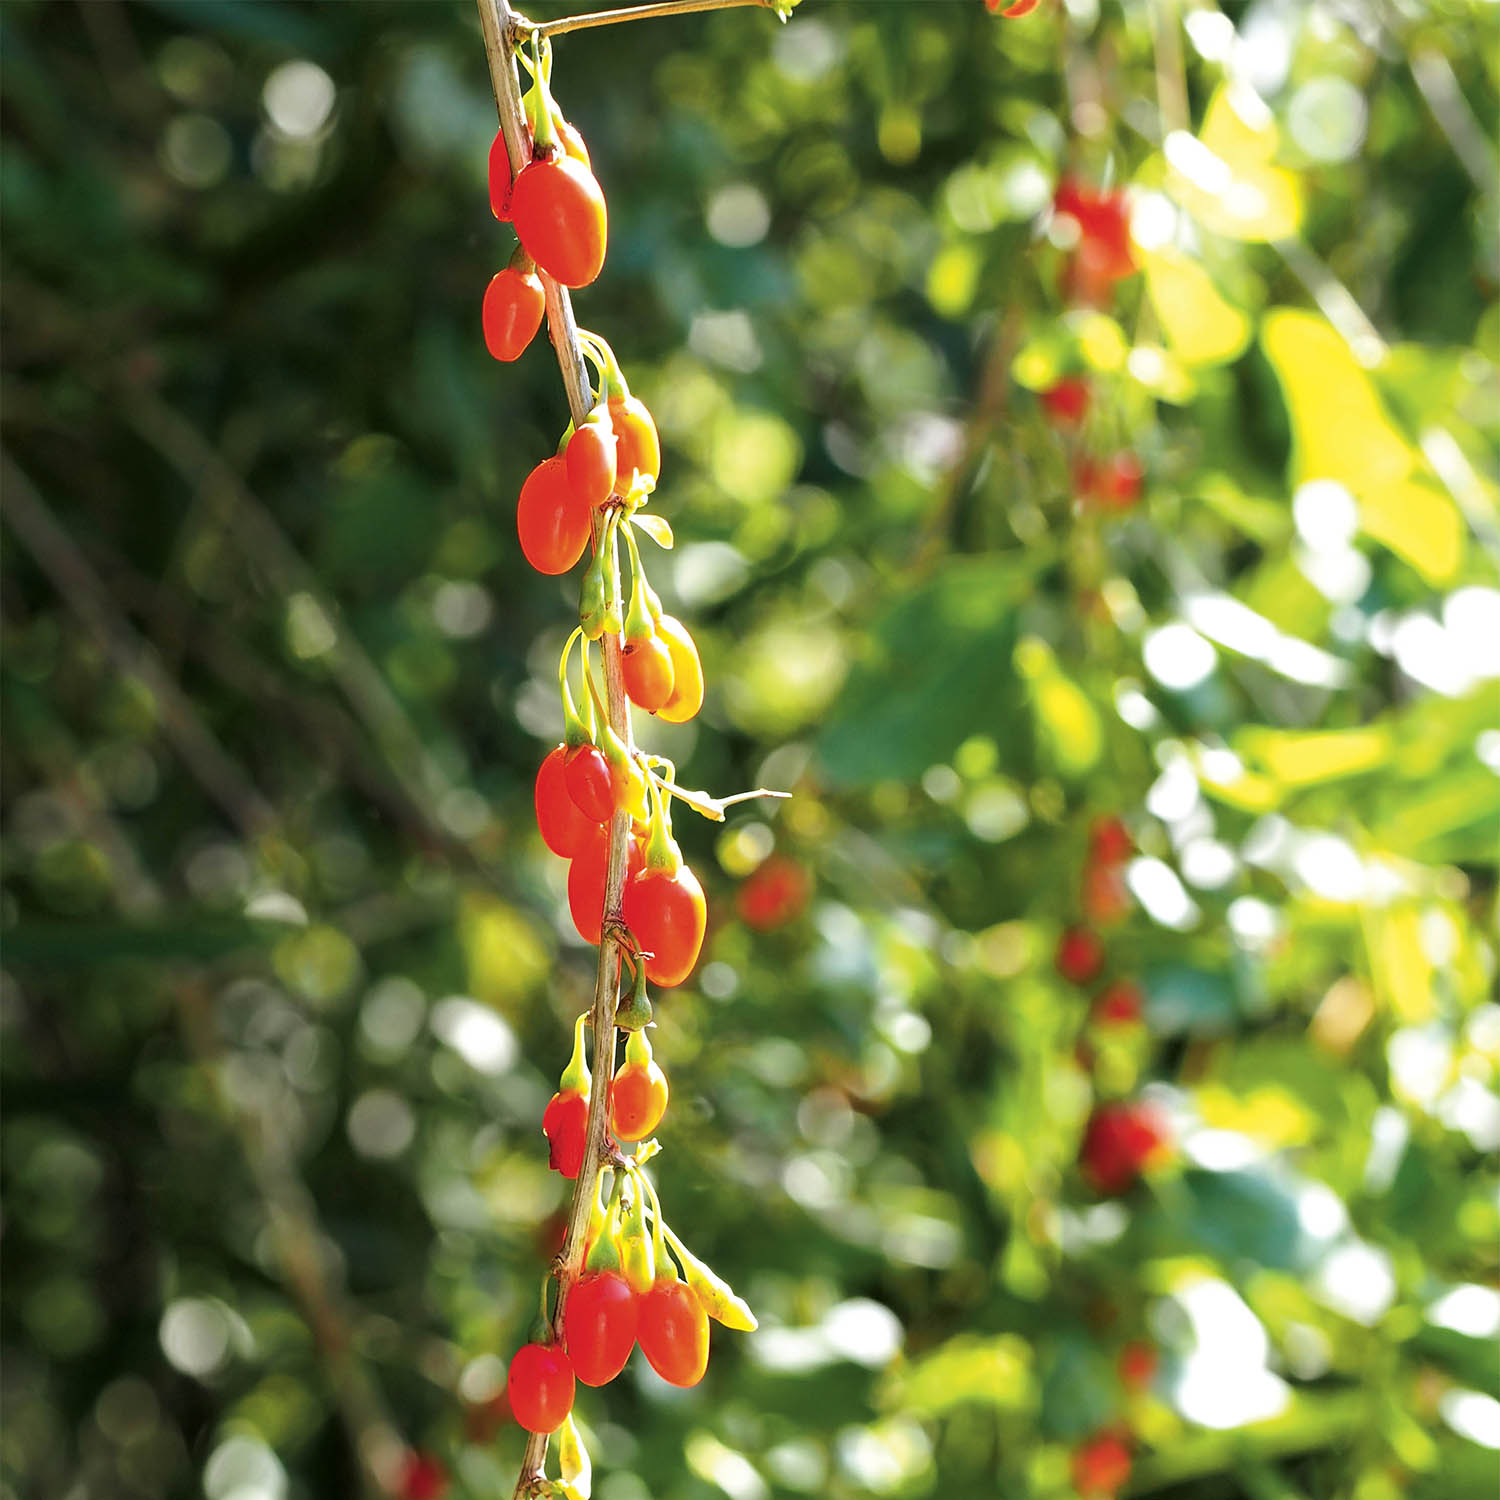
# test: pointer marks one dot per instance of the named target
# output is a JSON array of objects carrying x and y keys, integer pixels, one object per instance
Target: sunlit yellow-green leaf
[
  {"x": 1417, "y": 521},
  {"x": 992, "y": 1371},
  {"x": 1200, "y": 325},
  {"x": 1301, "y": 759},
  {"x": 506, "y": 959},
  {"x": 1223, "y": 176},
  {"x": 952, "y": 279},
  {"x": 1340, "y": 430},
  {"x": 1102, "y": 344},
  {"x": 1067, "y": 725},
  {"x": 1399, "y": 962}
]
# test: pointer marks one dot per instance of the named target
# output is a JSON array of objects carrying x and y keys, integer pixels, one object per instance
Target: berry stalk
[{"x": 498, "y": 23}]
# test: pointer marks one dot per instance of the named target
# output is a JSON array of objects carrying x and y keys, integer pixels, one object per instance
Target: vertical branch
[{"x": 497, "y": 21}]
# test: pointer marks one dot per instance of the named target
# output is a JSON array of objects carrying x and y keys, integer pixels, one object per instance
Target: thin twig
[
  {"x": 523, "y": 27},
  {"x": 299, "y": 1247},
  {"x": 498, "y": 23},
  {"x": 209, "y": 474},
  {"x": 80, "y": 588},
  {"x": 1435, "y": 78}
]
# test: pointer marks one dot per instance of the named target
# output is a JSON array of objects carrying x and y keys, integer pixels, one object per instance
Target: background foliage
[{"x": 288, "y": 974}]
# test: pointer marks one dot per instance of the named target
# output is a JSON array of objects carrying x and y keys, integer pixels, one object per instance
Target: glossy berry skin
[
  {"x": 586, "y": 775},
  {"x": 673, "y": 1332},
  {"x": 639, "y": 443},
  {"x": 668, "y": 915},
  {"x": 552, "y": 522},
  {"x": 687, "y": 671},
  {"x": 1080, "y": 955},
  {"x": 1119, "y": 1004},
  {"x": 564, "y": 826},
  {"x": 599, "y": 1323},
  {"x": 540, "y": 1386},
  {"x": 1101, "y": 1466},
  {"x": 646, "y": 665},
  {"x": 1012, "y": 12},
  {"x": 590, "y": 460},
  {"x": 1120, "y": 1140},
  {"x": 586, "y": 884},
  {"x": 511, "y": 312},
  {"x": 500, "y": 178},
  {"x": 558, "y": 210},
  {"x": 637, "y": 1100},
  {"x": 1067, "y": 402},
  {"x": 773, "y": 894},
  {"x": 565, "y": 1123}
]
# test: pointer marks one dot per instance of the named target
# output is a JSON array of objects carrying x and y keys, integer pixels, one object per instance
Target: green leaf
[{"x": 938, "y": 670}]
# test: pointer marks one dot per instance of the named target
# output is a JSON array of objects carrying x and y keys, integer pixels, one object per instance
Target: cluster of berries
[
  {"x": 1101, "y": 254},
  {"x": 638, "y": 1282},
  {"x": 1123, "y": 1137}
]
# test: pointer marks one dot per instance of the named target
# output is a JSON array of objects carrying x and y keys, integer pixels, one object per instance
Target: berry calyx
[
  {"x": 559, "y": 212},
  {"x": 600, "y": 1320},
  {"x": 673, "y": 1331},
  {"x": 686, "y": 697},
  {"x": 552, "y": 522},
  {"x": 773, "y": 894},
  {"x": 512, "y": 310},
  {"x": 540, "y": 1386},
  {"x": 565, "y": 1122},
  {"x": 563, "y": 823},
  {"x": 638, "y": 1092},
  {"x": 1080, "y": 955},
  {"x": 1120, "y": 1141},
  {"x": 590, "y": 458}
]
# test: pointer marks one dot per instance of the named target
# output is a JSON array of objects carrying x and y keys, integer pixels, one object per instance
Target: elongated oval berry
[
  {"x": 600, "y": 1321},
  {"x": 673, "y": 1332},
  {"x": 773, "y": 894},
  {"x": 553, "y": 523},
  {"x": 540, "y": 1386},
  {"x": 563, "y": 824},
  {"x": 511, "y": 312},
  {"x": 565, "y": 1123},
  {"x": 586, "y": 884},
  {"x": 637, "y": 1100},
  {"x": 500, "y": 178},
  {"x": 639, "y": 443},
  {"x": 558, "y": 210},
  {"x": 646, "y": 664},
  {"x": 1067, "y": 402},
  {"x": 668, "y": 915},
  {"x": 1080, "y": 955},
  {"x": 586, "y": 774},
  {"x": 590, "y": 457},
  {"x": 687, "y": 671}
]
